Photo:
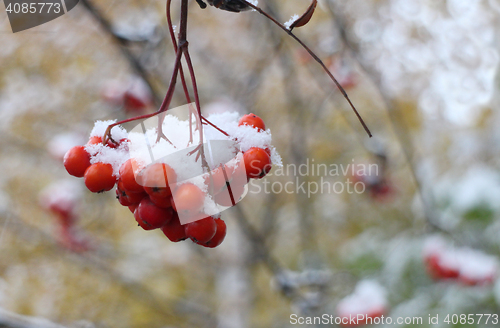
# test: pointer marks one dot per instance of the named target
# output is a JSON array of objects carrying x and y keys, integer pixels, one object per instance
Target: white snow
[
  {"x": 254, "y": 2},
  {"x": 113, "y": 91},
  {"x": 477, "y": 266},
  {"x": 369, "y": 297},
  {"x": 291, "y": 21},
  {"x": 104, "y": 154},
  {"x": 117, "y": 133},
  {"x": 180, "y": 151},
  {"x": 61, "y": 143},
  {"x": 471, "y": 264},
  {"x": 64, "y": 194},
  {"x": 144, "y": 145}
]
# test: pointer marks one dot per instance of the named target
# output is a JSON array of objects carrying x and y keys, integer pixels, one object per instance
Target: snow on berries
[
  {"x": 366, "y": 304},
  {"x": 252, "y": 120},
  {"x": 132, "y": 95},
  {"x": 62, "y": 199},
  {"x": 463, "y": 264},
  {"x": 61, "y": 143},
  {"x": 174, "y": 177}
]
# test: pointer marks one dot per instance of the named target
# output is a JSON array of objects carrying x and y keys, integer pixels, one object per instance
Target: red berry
[
  {"x": 76, "y": 161},
  {"x": 159, "y": 192},
  {"x": 236, "y": 170},
  {"x": 98, "y": 140},
  {"x": 119, "y": 184},
  {"x": 122, "y": 197},
  {"x": 132, "y": 102},
  {"x": 129, "y": 198},
  {"x": 252, "y": 120},
  {"x": 133, "y": 207},
  {"x": 219, "y": 236},
  {"x": 94, "y": 140},
  {"x": 174, "y": 230},
  {"x": 229, "y": 196},
  {"x": 70, "y": 240},
  {"x": 216, "y": 179},
  {"x": 164, "y": 202},
  {"x": 473, "y": 281},
  {"x": 99, "y": 177},
  {"x": 257, "y": 162},
  {"x": 381, "y": 190},
  {"x": 63, "y": 210},
  {"x": 439, "y": 271},
  {"x": 156, "y": 179},
  {"x": 135, "y": 197},
  {"x": 149, "y": 216},
  {"x": 128, "y": 178},
  {"x": 188, "y": 199},
  {"x": 124, "y": 142},
  {"x": 138, "y": 219},
  {"x": 365, "y": 318},
  {"x": 201, "y": 231}
]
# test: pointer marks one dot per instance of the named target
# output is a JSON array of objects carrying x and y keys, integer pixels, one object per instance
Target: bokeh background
[{"x": 424, "y": 76}]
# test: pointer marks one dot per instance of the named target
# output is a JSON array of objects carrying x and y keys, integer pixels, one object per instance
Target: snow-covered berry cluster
[
  {"x": 174, "y": 175},
  {"x": 364, "y": 305},
  {"x": 62, "y": 199},
  {"x": 463, "y": 264},
  {"x": 133, "y": 95}
]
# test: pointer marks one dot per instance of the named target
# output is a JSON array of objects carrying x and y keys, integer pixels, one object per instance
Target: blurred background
[{"x": 422, "y": 239}]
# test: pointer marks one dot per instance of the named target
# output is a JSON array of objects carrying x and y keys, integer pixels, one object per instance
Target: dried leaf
[{"x": 306, "y": 17}]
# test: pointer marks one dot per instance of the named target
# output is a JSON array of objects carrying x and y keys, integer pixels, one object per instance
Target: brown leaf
[{"x": 306, "y": 17}]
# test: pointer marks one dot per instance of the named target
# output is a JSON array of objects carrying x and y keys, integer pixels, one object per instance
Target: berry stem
[
  {"x": 136, "y": 65},
  {"x": 195, "y": 90},
  {"x": 170, "y": 92},
  {"x": 181, "y": 48},
  {"x": 164, "y": 105},
  {"x": 181, "y": 70},
  {"x": 215, "y": 126}
]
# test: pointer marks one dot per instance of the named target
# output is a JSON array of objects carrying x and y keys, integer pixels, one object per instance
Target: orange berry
[
  {"x": 252, "y": 120},
  {"x": 76, "y": 161},
  {"x": 99, "y": 177},
  {"x": 156, "y": 179},
  {"x": 128, "y": 178},
  {"x": 188, "y": 199},
  {"x": 257, "y": 162}
]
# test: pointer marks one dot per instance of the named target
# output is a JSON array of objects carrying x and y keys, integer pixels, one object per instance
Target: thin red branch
[
  {"x": 181, "y": 71},
  {"x": 215, "y": 126},
  {"x": 316, "y": 58}
]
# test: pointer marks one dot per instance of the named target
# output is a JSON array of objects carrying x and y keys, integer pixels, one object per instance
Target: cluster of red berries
[
  {"x": 257, "y": 160},
  {"x": 133, "y": 96},
  {"x": 361, "y": 319},
  {"x": 467, "y": 266},
  {"x": 149, "y": 191},
  {"x": 98, "y": 177},
  {"x": 61, "y": 200},
  {"x": 378, "y": 188},
  {"x": 365, "y": 305}
]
